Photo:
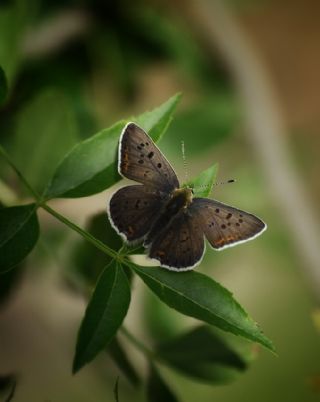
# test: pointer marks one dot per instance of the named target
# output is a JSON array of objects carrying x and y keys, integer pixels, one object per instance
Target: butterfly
[{"x": 170, "y": 222}]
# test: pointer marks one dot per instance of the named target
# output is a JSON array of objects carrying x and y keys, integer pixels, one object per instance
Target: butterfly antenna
[
  {"x": 184, "y": 161},
  {"x": 216, "y": 184},
  {"x": 224, "y": 182}
]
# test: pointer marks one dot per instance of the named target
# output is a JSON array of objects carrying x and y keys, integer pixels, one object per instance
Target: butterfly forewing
[
  {"x": 133, "y": 209},
  {"x": 180, "y": 245},
  {"x": 142, "y": 161},
  {"x": 224, "y": 225}
]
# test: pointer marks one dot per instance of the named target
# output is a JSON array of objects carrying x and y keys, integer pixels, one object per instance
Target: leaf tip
[
  {"x": 76, "y": 365},
  {"x": 267, "y": 343},
  {"x": 178, "y": 96}
]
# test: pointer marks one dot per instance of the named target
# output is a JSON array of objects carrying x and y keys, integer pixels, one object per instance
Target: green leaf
[
  {"x": 207, "y": 358},
  {"x": 118, "y": 354},
  {"x": 161, "y": 322},
  {"x": 19, "y": 232},
  {"x": 91, "y": 166},
  {"x": 157, "y": 389},
  {"x": 46, "y": 130},
  {"x": 104, "y": 314},
  {"x": 3, "y": 86},
  {"x": 199, "y": 296},
  {"x": 206, "y": 122},
  {"x": 156, "y": 122},
  {"x": 89, "y": 262},
  {"x": 203, "y": 183},
  {"x": 14, "y": 21}
]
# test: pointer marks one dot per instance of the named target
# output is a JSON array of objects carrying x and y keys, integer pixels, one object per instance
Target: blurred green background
[{"x": 75, "y": 67}]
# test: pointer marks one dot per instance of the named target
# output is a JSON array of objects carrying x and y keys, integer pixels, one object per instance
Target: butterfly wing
[
  {"x": 141, "y": 160},
  {"x": 132, "y": 210},
  {"x": 225, "y": 226},
  {"x": 180, "y": 245}
]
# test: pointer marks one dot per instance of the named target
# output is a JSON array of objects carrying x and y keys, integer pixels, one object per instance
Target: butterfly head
[{"x": 184, "y": 195}]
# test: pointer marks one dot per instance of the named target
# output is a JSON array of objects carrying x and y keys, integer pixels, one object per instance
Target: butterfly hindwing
[
  {"x": 224, "y": 225},
  {"x": 180, "y": 245},
  {"x": 132, "y": 210},
  {"x": 141, "y": 160}
]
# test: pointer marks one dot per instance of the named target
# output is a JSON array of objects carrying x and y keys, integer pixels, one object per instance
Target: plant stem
[
  {"x": 146, "y": 351},
  {"x": 19, "y": 174},
  {"x": 91, "y": 239},
  {"x": 41, "y": 203}
]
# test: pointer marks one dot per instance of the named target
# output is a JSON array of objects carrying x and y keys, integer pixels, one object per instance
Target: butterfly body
[
  {"x": 178, "y": 201},
  {"x": 171, "y": 223}
]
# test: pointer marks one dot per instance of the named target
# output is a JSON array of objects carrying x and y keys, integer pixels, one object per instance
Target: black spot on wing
[{"x": 140, "y": 160}]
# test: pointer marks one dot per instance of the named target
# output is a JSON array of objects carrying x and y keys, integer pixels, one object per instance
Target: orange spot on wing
[
  {"x": 232, "y": 238},
  {"x": 130, "y": 230},
  {"x": 126, "y": 156}
]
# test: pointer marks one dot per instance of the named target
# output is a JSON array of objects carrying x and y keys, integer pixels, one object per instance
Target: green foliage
[
  {"x": 88, "y": 262},
  {"x": 208, "y": 356},
  {"x": 19, "y": 232},
  {"x": 88, "y": 168},
  {"x": 14, "y": 20},
  {"x": 105, "y": 312},
  {"x": 91, "y": 166},
  {"x": 157, "y": 121},
  {"x": 207, "y": 123},
  {"x": 202, "y": 184},
  {"x": 38, "y": 148},
  {"x": 199, "y": 296}
]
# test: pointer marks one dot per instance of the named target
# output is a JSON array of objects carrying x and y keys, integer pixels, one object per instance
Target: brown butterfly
[{"x": 169, "y": 221}]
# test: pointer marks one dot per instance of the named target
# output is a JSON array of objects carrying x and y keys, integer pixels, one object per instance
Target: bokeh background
[{"x": 249, "y": 74}]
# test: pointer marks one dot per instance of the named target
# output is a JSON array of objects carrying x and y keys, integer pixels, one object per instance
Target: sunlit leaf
[
  {"x": 104, "y": 314},
  {"x": 196, "y": 295},
  {"x": 19, "y": 232},
  {"x": 91, "y": 166}
]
